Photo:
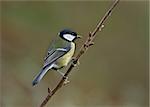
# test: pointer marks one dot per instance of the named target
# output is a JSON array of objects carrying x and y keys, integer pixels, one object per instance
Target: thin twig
[{"x": 89, "y": 42}]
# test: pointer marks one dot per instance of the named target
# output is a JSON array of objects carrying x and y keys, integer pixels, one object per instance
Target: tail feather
[{"x": 41, "y": 75}]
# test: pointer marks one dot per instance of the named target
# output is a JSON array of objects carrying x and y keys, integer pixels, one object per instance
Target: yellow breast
[{"x": 64, "y": 60}]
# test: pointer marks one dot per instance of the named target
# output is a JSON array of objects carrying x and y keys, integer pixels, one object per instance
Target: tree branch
[{"x": 89, "y": 42}]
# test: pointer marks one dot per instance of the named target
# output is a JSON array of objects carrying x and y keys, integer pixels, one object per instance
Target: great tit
[{"x": 59, "y": 53}]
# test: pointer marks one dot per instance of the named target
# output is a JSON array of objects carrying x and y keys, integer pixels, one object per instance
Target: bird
[{"x": 59, "y": 53}]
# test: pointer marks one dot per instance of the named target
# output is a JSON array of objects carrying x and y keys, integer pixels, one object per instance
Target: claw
[{"x": 74, "y": 62}]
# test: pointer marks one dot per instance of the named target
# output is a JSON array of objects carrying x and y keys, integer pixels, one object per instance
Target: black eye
[{"x": 48, "y": 53}]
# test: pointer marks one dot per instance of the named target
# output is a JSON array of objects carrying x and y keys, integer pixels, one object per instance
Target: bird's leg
[{"x": 62, "y": 74}]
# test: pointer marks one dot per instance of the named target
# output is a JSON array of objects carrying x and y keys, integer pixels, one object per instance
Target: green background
[{"x": 113, "y": 73}]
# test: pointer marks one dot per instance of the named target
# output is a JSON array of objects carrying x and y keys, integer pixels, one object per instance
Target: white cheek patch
[{"x": 69, "y": 37}]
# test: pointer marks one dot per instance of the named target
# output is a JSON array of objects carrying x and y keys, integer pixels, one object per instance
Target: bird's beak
[{"x": 79, "y": 36}]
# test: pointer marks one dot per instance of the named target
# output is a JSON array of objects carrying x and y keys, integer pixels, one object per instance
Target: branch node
[
  {"x": 85, "y": 45},
  {"x": 91, "y": 44},
  {"x": 49, "y": 90},
  {"x": 90, "y": 34},
  {"x": 110, "y": 14},
  {"x": 101, "y": 27},
  {"x": 66, "y": 81}
]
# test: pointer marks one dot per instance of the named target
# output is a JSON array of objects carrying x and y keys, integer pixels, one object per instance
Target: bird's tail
[{"x": 41, "y": 75}]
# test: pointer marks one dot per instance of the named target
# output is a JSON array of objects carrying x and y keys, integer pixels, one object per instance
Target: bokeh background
[{"x": 113, "y": 73}]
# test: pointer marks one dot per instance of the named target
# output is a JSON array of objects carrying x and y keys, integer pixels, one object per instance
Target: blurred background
[{"x": 113, "y": 73}]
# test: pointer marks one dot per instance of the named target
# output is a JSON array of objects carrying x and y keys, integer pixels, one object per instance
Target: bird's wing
[
  {"x": 49, "y": 62},
  {"x": 54, "y": 55},
  {"x": 51, "y": 50},
  {"x": 57, "y": 43}
]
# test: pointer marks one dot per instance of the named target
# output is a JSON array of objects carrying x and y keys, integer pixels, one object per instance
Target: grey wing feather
[
  {"x": 51, "y": 50},
  {"x": 57, "y": 53},
  {"x": 49, "y": 63},
  {"x": 49, "y": 53}
]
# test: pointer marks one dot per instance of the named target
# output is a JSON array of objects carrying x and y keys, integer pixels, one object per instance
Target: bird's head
[{"x": 69, "y": 35}]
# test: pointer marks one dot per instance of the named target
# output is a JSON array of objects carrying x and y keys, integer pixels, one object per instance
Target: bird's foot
[
  {"x": 75, "y": 62},
  {"x": 64, "y": 77},
  {"x": 62, "y": 74}
]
